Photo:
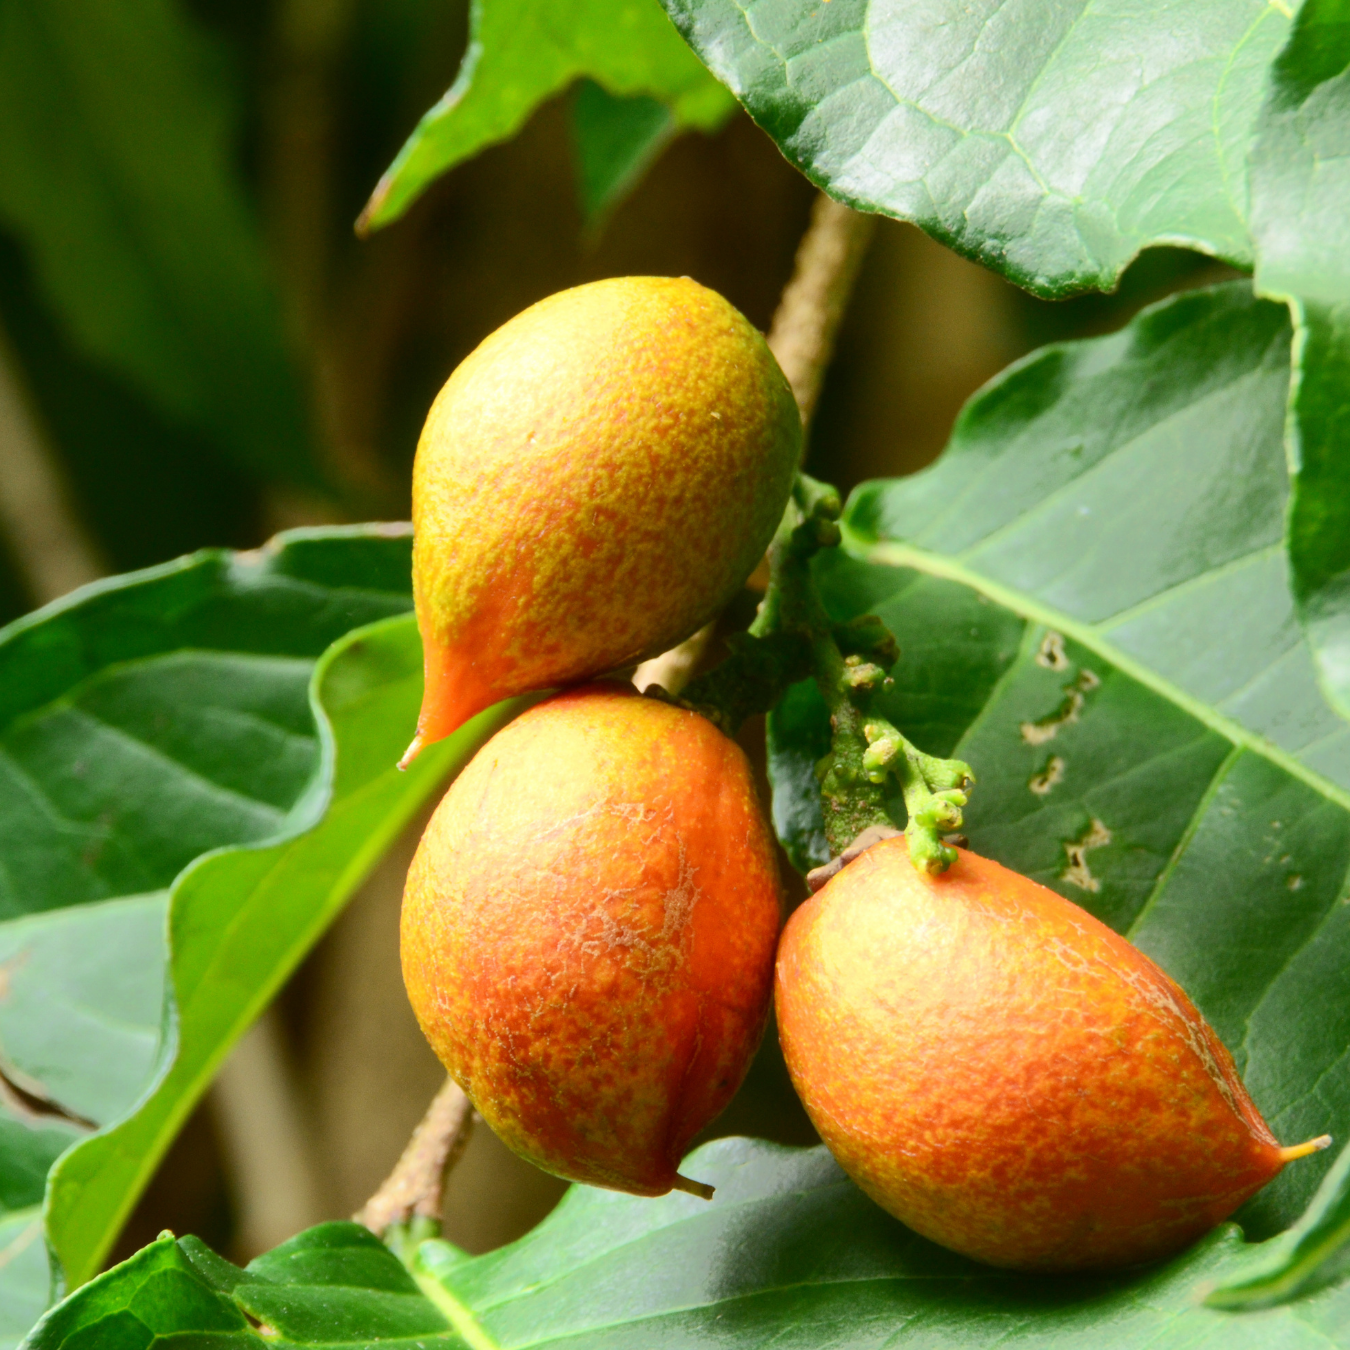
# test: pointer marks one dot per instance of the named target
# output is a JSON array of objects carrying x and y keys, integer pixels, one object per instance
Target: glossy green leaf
[
  {"x": 242, "y": 920},
  {"x": 84, "y": 995},
  {"x": 788, "y": 1253},
  {"x": 117, "y": 172},
  {"x": 1313, "y": 1254},
  {"x": 1051, "y": 141},
  {"x": 26, "y": 1287},
  {"x": 1300, "y": 189},
  {"x": 1318, "y": 437},
  {"x": 155, "y": 1294},
  {"x": 1091, "y": 601},
  {"x": 615, "y": 140},
  {"x": 213, "y": 740},
  {"x": 522, "y": 52}
]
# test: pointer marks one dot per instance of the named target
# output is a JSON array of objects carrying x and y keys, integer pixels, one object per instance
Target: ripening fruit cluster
[{"x": 590, "y": 924}]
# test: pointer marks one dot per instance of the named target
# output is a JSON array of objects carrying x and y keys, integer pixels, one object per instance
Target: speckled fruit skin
[
  {"x": 588, "y": 933},
  {"x": 593, "y": 484},
  {"x": 1005, "y": 1074}
]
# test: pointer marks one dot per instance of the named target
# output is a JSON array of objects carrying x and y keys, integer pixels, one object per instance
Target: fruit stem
[
  {"x": 407, "y": 1207},
  {"x": 1295, "y": 1151},
  {"x": 698, "y": 1188},
  {"x": 935, "y": 790},
  {"x": 793, "y": 638},
  {"x": 865, "y": 748}
]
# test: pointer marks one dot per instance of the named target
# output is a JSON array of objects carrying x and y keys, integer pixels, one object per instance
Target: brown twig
[
  {"x": 416, "y": 1186},
  {"x": 673, "y": 669},
  {"x": 807, "y": 319},
  {"x": 38, "y": 521}
]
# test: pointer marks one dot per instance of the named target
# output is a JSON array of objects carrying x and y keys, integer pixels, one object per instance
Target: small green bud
[
  {"x": 948, "y": 773},
  {"x": 929, "y": 853},
  {"x": 879, "y": 756},
  {"x": 862, "y": 675}
]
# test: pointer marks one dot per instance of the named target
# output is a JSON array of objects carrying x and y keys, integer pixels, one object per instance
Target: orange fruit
[
  {"x": 593, "y": 483},
  {"x": 1008, "y": 1076},
  {"x": 588, "y": 933}
]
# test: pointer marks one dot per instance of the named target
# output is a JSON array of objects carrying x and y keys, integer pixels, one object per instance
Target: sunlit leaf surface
[{"x": 1049, "y": 139}]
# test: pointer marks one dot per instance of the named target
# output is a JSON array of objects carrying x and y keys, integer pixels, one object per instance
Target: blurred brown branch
[
  {"x": 268, "y": 1149},
  {"x": 807, "y": 319},
  {"x": 49, "y": 544},
  {"x": 416, "y": 1186}
]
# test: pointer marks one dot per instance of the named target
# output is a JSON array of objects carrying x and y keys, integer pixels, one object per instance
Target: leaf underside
[{"x": 1051, "y": 141}]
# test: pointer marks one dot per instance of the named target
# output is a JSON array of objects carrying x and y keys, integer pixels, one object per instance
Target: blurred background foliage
[{"x": 196, "y": 349}]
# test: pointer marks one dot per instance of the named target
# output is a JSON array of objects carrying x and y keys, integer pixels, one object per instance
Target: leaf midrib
[
  {"x": 988, "y": 1275},
  {"x": 1108, "y": 461},
  {"x": 1089, "y": 636}
]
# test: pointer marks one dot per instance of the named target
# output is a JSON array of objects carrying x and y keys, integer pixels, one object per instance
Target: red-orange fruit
[
  {"x": 593, "y": 484},
  {"x": 588, "y": 933},
  {"x": 1005, "y": 1074}
]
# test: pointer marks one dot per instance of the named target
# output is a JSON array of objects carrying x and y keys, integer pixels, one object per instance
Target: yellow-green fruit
[{"x": 593, "y": 484}]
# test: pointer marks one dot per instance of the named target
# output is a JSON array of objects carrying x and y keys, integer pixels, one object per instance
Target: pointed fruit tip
[
  {"x": 453, "y": 691},
  {"x": 698, "y": 1188},
  {"x": 1295, "y": 1151}
]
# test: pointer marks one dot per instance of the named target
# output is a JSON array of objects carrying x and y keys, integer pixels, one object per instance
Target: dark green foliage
[
  {"x": 615, "y": 140},
  {"x": 1300, "y": 203},
  {"x": 789, "y": 1252},
  {"x": 145, "y": 723},
  {"x": 522, "y": 52},
  {"x": 115, "y": 129}
]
